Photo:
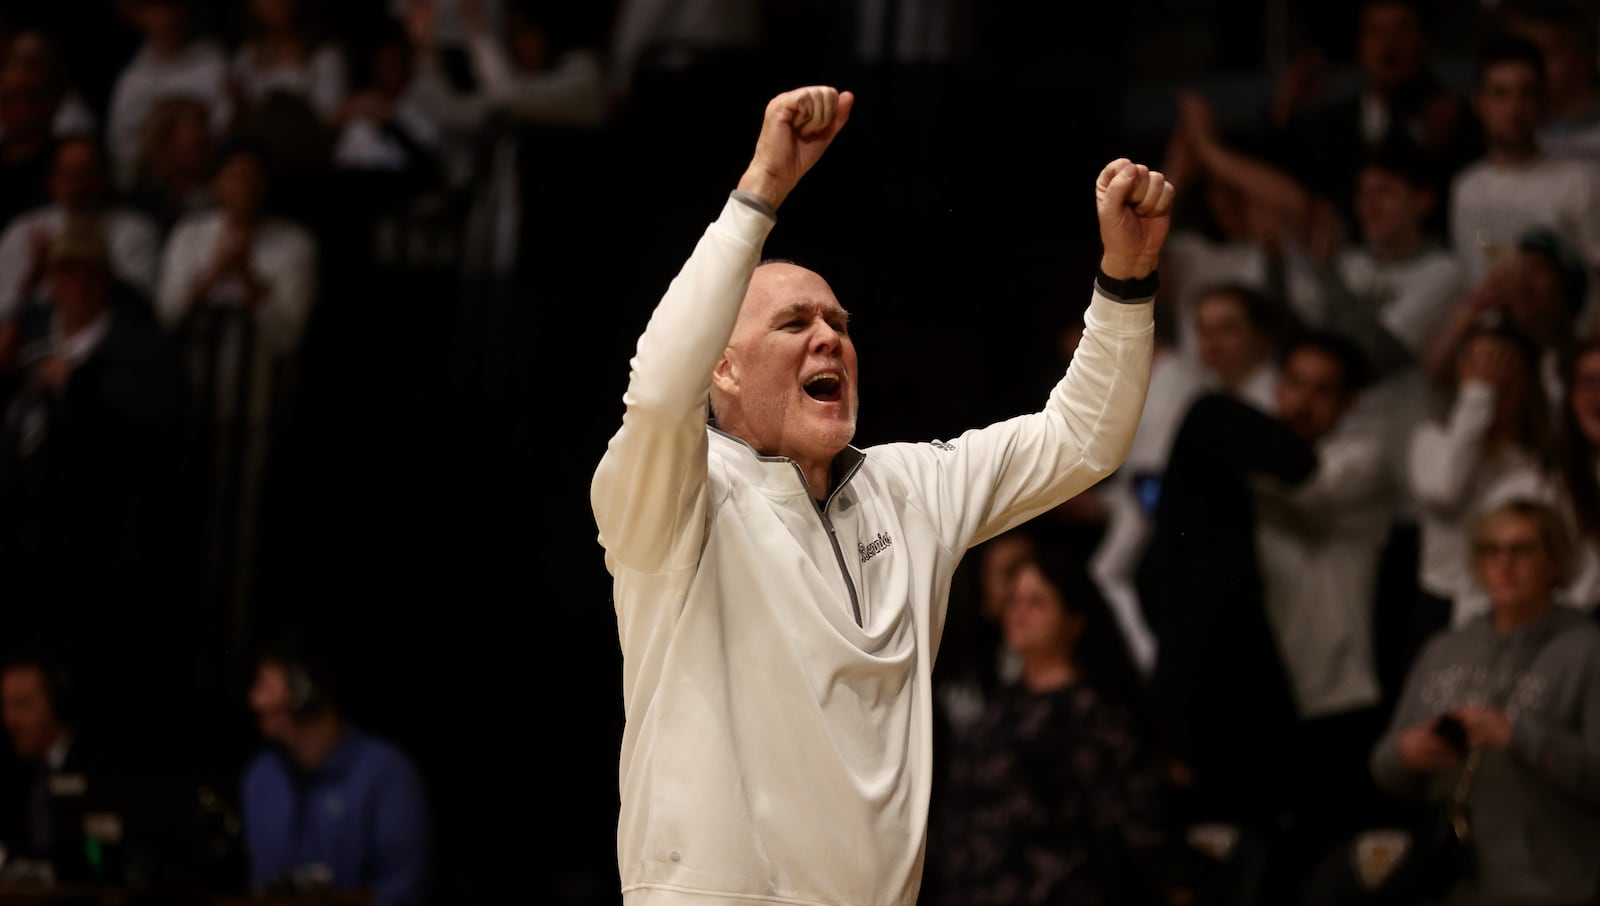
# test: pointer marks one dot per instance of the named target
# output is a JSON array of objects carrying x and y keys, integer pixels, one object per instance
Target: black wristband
[{"x": 1139, "y": 288}]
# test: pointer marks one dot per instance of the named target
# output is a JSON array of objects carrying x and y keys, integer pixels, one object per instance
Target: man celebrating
[{"x": 779, "y": 593}]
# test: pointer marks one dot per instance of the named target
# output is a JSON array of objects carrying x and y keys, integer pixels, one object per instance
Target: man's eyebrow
[{"x": 795, "y": 309}]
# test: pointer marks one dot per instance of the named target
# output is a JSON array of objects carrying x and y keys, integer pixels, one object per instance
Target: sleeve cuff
[
  {"x": 755, "y": 202},
  {"x": 1142, "y": 289}
]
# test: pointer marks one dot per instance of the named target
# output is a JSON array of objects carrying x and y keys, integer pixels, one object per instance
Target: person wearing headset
[
  {"x": 52, "y": 761},
  {"x": 326, "y": 804}
]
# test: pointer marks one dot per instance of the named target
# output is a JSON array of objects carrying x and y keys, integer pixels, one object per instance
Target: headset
[{"x": 305, "y": 693}]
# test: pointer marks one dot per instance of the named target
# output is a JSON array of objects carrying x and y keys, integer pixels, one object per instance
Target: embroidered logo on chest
[{"x": 874, "y": 548}]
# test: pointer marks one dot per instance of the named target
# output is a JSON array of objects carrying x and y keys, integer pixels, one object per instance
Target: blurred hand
[
  {"x": 1423, "y": 752},
  {"x": 798, "y": 126},
  {"x": 1134, "y": 204},
  {"x": 1486, "y": 727},
  {"x": 53, "y": 372},
  {"x": 1198, "y": 119},
  {"x": 1302, "y": 82},
  {"x": 1490, "y": 363},
  {"x": 232, "y": 251}
]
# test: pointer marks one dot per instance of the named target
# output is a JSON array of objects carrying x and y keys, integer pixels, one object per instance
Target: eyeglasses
[{"x": 1518, "y": 550}]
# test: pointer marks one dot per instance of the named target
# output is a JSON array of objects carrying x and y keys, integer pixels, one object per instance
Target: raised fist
[
  {"x": 798, "y": 126},
  {"x": 1135, "y": 208}
]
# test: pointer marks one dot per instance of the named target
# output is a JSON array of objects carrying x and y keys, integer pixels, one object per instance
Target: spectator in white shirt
[
  {"x": 383, "y": 126},
  {"x": 241, "y": 262},
  {"x": 73, "y": 116},
  {"x": 1540, "y": 289},
  {"x": 172, "y": 61},
  {"x": 1567, "y": 34},
  {"x": 79, "y": 190},
  {"x": 284, "y": 55},
  {"x": 1516, "y": 186},
  {"x": 1486, "y": 451},
  {"x": 177, "y": 155}
]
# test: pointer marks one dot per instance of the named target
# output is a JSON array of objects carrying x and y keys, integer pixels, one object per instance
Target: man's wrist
[
  {"x": 755, "y": 203},
  {"x": 763, "y": 186},
  {"x": 1127, "y": 268},
  {"x": 1124, "y": 289}
]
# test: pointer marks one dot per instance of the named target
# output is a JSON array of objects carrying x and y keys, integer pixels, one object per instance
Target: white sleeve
[
  {"x": 1347, "y": 472},
  {"x": 136, "y": 252},
  {"x": 1444, "y": 457},
  {"x": 291, "y": 287},
  {"x": 649, "y": 491},
  {"x": 1422, "y": 304},
  {"x": 15, "y": 254},
  {"x": 181, "y": 265},
  {"x": 328, "y": 87},
  {"x": 990, "y": 479}
]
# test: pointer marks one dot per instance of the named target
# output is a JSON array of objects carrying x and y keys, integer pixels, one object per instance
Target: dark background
[{"x": 428, "y": 502}]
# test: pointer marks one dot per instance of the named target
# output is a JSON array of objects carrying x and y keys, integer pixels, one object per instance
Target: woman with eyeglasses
[{"x": 1515, "y": 690}]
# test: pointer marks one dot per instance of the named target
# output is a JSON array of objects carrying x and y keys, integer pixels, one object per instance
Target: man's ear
[{"x": 723, "y": 377}]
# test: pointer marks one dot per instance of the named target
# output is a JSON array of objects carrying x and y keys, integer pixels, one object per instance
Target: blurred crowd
[
  {"x": 250, "y": 251},
  {"x": 1352, "y": 556},
  {"x": 234, "y": 238}
]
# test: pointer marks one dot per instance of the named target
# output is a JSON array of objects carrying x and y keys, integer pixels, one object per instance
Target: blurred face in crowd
[
  {"x": 165, "y": 24},
  {"x": 1539, "y": 297},
  {"x": 1310, "y": 393},
  {"x": 1390, "y": 208},
  {"x": 78, "y": 180},
  {"x": 1389, "y": 44},
  {"x": 275, "y": 15},
  {"x": 240, "y": 186},
  {"x": 1569, "y": 69},
  {"x": 1510, "y": 103},
  {"x": 1035, "y": 621},
  {"x": 1228, "y": 342},
  {"x": 787, "y": 380},
  {"x": 269, "y": 699},
  {"x": 1584, "y": 396},
  {"x": 1514, "y": 563},
  {"x": 27, "y": 110},
  {"x": 1002, "y": 558},
  {"x": 188, "y": 144},
  {"x": 30, "y": 719}
]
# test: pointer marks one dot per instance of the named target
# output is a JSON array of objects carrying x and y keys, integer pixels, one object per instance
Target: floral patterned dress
[{"x": 1052, "y": 799}]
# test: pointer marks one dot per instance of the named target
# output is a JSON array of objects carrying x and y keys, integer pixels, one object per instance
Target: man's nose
[{"x": 824, "y": 336}]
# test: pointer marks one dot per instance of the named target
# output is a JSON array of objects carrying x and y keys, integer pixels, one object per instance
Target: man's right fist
[{"x": 798, "y": 126}]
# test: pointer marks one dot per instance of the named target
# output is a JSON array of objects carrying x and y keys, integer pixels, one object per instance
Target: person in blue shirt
[{"x": 325, "y": 804}]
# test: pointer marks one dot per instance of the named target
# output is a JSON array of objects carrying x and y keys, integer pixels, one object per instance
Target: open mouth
[{"x": 825, "y": 387}]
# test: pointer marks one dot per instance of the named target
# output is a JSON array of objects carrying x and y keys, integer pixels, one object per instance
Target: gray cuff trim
[
  {"x": 1142, "y": 289},
  {"x": 755, "y": 202}
]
